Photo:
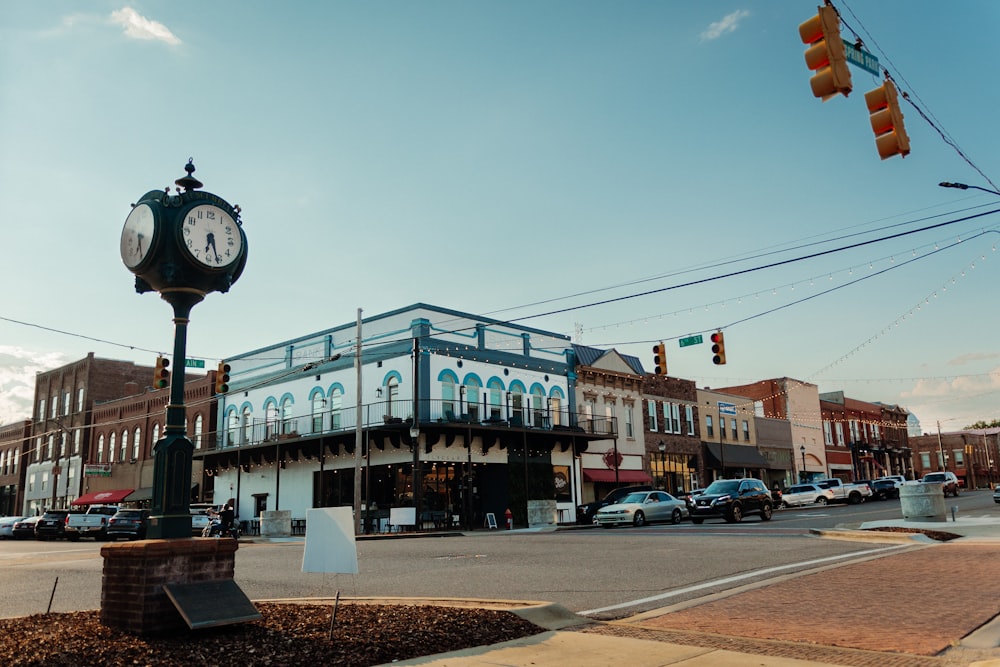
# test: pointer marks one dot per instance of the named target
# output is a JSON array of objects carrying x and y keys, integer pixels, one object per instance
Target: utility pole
[
  {"x": 358, "y": 434},
  {"x": 944, "y": 461}
]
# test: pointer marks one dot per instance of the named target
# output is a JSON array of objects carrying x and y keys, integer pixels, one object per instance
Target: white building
[{"x": 474, "y": 394}]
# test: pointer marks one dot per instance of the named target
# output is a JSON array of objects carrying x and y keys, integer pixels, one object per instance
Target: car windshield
[
  {"x": 723, "y": 486},
  {"x": 634, "y": 498},
  {"x": 799, "y": 489}
]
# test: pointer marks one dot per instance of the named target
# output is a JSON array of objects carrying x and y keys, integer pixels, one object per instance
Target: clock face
[
  {"x": 211, "y": 236},
  {"x": 138, "y": 235}
]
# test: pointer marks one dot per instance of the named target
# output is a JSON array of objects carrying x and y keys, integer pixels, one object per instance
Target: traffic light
[
  {"x": 718, "y": 348},
  {"x": 161, "y": 376},
  {"x": 222, "y": 378},
  {"x": 826, "y": 54},
  {"x": 660, "y": 358},
  {"x": 887, "y": 121}
]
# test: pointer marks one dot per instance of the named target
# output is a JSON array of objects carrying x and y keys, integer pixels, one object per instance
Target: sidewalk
[{"x": 948, "y": 617}]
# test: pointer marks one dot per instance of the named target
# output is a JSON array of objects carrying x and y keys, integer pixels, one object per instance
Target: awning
[
  {"x": 608, "y": 476},
  {"x": 102, "y": 497},
  {"x": 139, "y": 495},
  {"x": 735, "y": 456}
]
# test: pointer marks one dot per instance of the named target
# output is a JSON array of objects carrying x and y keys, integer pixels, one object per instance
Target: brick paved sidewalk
[{"x": 917, "y": 602}]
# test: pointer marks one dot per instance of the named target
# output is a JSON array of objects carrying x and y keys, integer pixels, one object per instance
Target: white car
[
  {"x": 642, "y": 507},
  {"x": 806, "y": 494},
  {"x": 7, "y": 526}
]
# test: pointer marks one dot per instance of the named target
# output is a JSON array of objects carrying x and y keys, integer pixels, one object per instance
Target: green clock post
[{"x": 182, "y": 246}]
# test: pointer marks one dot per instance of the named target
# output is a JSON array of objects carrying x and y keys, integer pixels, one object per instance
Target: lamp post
[
  {"x": 663, "y": 467},
  {"x": 963, "y": 186},
  {"x": 802, "y": 449}
]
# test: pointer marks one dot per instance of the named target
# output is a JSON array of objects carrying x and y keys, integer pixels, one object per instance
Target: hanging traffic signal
[
  {"x": 718, "y": 348},
  {"x": 660, "y": 358},
  {"x": 887, "y": 121},
  {"x": 161, "y": 376},
  {"x": 826, "y": 54},
  {"x": 222, "y": 378}
]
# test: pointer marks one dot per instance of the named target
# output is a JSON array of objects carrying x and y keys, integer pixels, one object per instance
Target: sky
[{"x": 623, "y": 173}]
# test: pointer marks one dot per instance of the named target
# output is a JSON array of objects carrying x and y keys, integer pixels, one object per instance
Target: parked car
[
  {"x": 127, "y": 523},
  {"x": 846, "y": 492},
  {"x": 884, "y": 489},
  {"x": 806, "y": 494},
  {"x": 947, "y": 480},
  {"x": 52, "y": 525},
  {"x": 898, "y": 479},
  {"x": 688, "y": 496},
  {"x": 25, "y": 528},
  {"x": 996, "y": 494},
  {"x": 732, "y": 499},
  {"x": 638, "y": 509},
  {"x": 7, "y": 526},
  {"x": 586, "y": 513},
  {"x": 93, "y": 522}
]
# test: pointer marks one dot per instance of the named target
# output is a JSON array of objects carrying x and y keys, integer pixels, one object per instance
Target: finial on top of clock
[{"x": 189, "y": 182}]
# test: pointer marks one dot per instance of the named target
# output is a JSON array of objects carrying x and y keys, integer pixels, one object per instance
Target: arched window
[
  {"x": 156, "y": 434},
  {"x": 232, "y": 427},
  {"x": 336, "y": 403},
  {"x": 247, "y": 425},
  {"x": 199, "y": 424},
  {"x": 271, "y": 415},
  {"x": 318, "y": 403},
  {"x": 287, "y": 423},
  {"x": 111, "y": 448},
  {"x": 100, "y": 448},
  {"x": 123, "y": 447},
  {"x": 136, "y": 443},
  {"x": 537, "y": 406},
  {"x": 392, "y": 390},
  {"x": 495, "y": 391},
  {"x": 448, "y": 396},
  {"x": 472, "y": 395},
  {"x": 517, "y": 405}
]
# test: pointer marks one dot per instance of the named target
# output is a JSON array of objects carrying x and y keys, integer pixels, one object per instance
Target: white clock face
[
  {"x": 211, "y": 236},
  {"x": 138, "y": 235}
]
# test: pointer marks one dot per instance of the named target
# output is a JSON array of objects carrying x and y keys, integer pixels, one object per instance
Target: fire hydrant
[{"x": 510, "y": 519}]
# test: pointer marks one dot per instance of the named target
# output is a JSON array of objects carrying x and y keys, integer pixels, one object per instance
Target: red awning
[
  {"x": 102, "y": 497},
  {"x": 608, "y": 476}
]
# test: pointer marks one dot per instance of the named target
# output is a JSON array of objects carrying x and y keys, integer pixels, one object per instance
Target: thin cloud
[
  {"x": 138, "y": 26},
  {"x": 17, "y": 379},
  {"x": 729, "y": 23}
]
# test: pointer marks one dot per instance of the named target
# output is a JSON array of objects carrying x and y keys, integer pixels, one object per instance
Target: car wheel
[
  {"x": 676, "y": 517},
  {"x": 74, "y": 538},
  {"x": 854, "y": 498},
  {"x": 765, "y": 512},
  {"x": 695, "y": 521},
  {"x": 822, "y": 500},
  {"x": 639, "y": 519},
  {"x": 735, "y": 515}
]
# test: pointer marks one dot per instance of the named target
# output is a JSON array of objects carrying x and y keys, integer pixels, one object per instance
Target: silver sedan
[{"x": 642, "y": 507}]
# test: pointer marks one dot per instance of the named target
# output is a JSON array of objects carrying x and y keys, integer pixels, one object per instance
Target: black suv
[
  {"x": 585, "y": 513},
  {"x": 732, "y": 499},
  {"x": 52, "y": 525}
]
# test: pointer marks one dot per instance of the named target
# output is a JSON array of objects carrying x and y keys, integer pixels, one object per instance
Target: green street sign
[
  {"x": 690, "y": 340},
  {"x": 194, "y": 363},
  {"x": 861, "y": 58}
]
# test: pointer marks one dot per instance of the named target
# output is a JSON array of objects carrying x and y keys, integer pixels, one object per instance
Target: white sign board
[
  {"x": 330, "y": 543},
  {"x": 402, "y": 516}
]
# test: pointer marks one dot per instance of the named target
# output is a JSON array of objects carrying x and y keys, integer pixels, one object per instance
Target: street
[{"x": 602, "y": 573}]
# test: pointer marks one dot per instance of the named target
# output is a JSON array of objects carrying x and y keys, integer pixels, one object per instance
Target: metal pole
[
  {"x": 357, "y": 433},
  {"x": 943, "y": 460}
]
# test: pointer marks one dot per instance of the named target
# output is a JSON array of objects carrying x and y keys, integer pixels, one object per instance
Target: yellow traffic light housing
[
  {"x": 826, "y": 54},
  {"x": 222, "y": 378},
  {"x": 660, "y": 358},
  {"x": 887, "y": 121},
  {"x": 718, "y": 348},
  {"x": 161, "y": 376}
]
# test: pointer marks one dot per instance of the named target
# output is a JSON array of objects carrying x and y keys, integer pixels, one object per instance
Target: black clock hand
[
  {"x": 139, "y": 237},
  {"x": 210, "y": 242}
]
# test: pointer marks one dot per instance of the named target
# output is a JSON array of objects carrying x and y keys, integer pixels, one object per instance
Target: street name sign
[
  {"x": 194, "y": 363},
  {"x": 690, "y": 340},
  {"x": 861, "y": 58}
]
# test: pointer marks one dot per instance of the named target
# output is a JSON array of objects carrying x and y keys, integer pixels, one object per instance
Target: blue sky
[{"x": 502, "y": 157}]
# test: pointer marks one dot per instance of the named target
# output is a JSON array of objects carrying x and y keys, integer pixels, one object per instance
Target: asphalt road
[{"x": 604, "y": 573}]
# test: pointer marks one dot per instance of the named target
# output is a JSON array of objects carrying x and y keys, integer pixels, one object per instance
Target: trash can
[{"x": 922, "y": 502}]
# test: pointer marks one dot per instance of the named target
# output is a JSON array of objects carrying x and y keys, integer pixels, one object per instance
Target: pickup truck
[
  {"x": 91, "y": 523},
  {"x": 844, "y": 492}
]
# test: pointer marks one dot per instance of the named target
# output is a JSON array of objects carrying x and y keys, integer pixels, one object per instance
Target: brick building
[
  {"x": 972, "y": 455},
  {"x": 14, "y": 440},
  {"x": 729, "y": 436},
  {"x": 672, "y": 436}
]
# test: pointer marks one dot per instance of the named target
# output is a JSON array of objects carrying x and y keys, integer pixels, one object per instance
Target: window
[
  {"x": 651, "y": 411},
  {"x": 111, "y": 447},
  {"x": 555, "y": 410},
  {"x": 732, "y": 428},
  {"x": 100, "y": 448},
  {"x": 66, "y": 402},
  {"x": 448, "y": 396},
  {"x": 123, "y": 447},
  {"x": 287, "y": 423},
  {"x": 746, "y": 431},
  {"x": 675, "y": 418},
  {"x": 271, "y": 420},
  {"x": 54, "y": 408},
  {"x": 517, "y": 417},
  {"x": 247, "y": 418},
  {"x": 876, "y": 436},
  {"x": 609, "y": 413},
  {"x": 827, "y": 433},
  {"x": 79, "y": 399},
  {"x": 41, "y": 408},
  {"x": 689, "y": 416},
  {"x": 925, "y": 460},
  {"x": 156, "y": 434},
  {"x": 318, "y": 403},
  {"x": 199, "y": 427},
  {"x": 495, "y": 398},
  {"x": 959, "y": 457},
  {"x": 137, "y": 441},
  {"x": 709, "y": 432},
  {"x": 629, "y": 427},
  {"x": 472, "y": 396},
  {"x": 62, "y": 444},
  {"x": 77, "y": 439},
  {"x": 336, "y": 401},
  {"x": 392, "y": 389},
  {"x": 853, "y": 424},
  {"x": 51, "y": 448},
  {"x": 838, "y": 430}
]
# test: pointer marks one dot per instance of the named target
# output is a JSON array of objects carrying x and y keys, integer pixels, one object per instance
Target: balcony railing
[{"x": 436, "y": 412}]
